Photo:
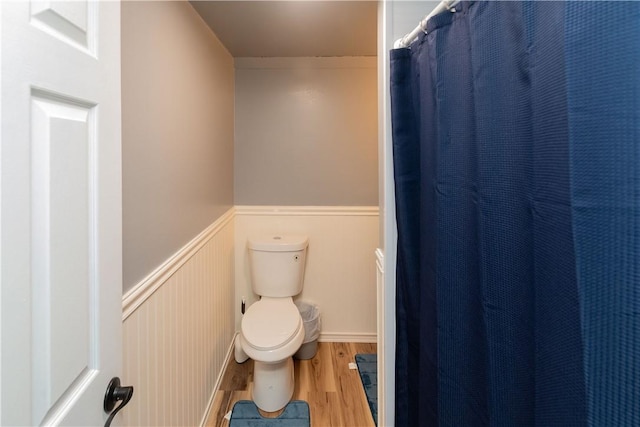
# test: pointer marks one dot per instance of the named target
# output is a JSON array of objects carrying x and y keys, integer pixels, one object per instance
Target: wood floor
[{"x": 334, "y": 392}]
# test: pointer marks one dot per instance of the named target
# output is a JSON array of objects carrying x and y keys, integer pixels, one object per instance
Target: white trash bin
[{"x": 311, "y": 319}]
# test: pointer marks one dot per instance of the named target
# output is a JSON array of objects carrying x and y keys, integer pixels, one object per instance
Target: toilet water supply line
[
  {"x": 422, "y": 26},
  {"x": 239, "y": 353}
]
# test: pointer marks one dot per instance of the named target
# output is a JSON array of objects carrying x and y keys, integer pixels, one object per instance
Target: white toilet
[{"x": 272, "y": 329}]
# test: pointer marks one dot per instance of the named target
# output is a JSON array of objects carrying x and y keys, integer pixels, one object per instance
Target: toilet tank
[{"x": 276, "y": 263}]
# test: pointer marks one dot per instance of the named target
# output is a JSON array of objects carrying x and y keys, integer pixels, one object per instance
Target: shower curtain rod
[{"x": 422, "y": 26}]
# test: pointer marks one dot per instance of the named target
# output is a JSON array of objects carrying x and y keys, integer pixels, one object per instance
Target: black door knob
[{"x": 115, "y": 393}]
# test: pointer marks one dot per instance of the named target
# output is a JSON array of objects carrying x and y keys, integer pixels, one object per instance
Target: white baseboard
[
  {"x": 348, "y": 337},
  {"x": 308, "y": 210}
]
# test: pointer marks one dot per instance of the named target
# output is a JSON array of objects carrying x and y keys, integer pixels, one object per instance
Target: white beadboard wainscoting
[
  {"x": 178, "y": 326},
  {"x": 340, "y": 275}
]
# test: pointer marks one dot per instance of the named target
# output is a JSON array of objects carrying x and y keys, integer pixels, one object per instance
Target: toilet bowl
[
  {"x": 271, "y": 332},
  {"x": 272, "y": 329}
]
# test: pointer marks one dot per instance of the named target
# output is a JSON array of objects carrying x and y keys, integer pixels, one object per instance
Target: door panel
[
  {"x": 67, "y": 20},
  {"x": 63, "y": 248}
]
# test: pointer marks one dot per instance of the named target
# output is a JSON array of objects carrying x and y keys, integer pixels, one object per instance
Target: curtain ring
[{"x": 423, "y": 26}]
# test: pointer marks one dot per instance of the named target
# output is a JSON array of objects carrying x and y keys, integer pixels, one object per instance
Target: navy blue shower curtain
[{"x": 516, "y": 138}]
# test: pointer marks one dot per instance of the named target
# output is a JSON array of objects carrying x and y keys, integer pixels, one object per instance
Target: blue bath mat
[
  {"x": 245, "y": 414},
  {"x": 368, "y": 369}
]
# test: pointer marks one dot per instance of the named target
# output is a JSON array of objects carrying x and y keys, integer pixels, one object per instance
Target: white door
[{"x": 60, "y": 212}]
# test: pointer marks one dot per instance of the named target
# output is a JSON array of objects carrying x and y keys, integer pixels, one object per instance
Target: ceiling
[{"x": 293, "y": 28}]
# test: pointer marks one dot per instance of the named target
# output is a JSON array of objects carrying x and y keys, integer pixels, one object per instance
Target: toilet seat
[{"x": 271, "y": 323}]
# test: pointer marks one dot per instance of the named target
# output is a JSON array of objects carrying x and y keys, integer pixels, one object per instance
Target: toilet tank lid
[{"x": 278, "y": 243}]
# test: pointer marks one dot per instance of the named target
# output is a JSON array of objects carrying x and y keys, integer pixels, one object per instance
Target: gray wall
[
  {"x": 177, "y": 131},
  {"x": 306, "y": 131},
  {"x": 407, "y": 14}
]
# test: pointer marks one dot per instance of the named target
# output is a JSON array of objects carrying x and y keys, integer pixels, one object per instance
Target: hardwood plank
[
  {"x": 301, "y": 377},
  {"x": 316, "y": 374},
  {"x": 353, "y": 402},
  {"x": 363, "y": 348},
  {"x": 237, "y": 376},
  {"x": 220, "y": 402},
  {"x": 322, "y": 409}
]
